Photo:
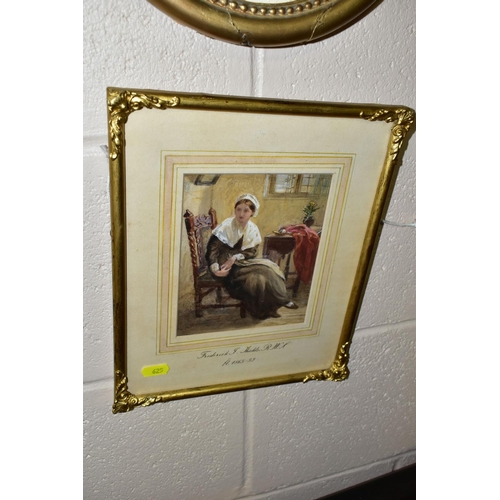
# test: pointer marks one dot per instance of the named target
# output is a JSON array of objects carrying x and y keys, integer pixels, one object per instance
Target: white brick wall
[{"x": 285, "y": 442}]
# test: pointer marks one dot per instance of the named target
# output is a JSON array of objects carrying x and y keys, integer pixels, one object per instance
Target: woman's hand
[
  {"x": 228, "y": 264},
  {"x": 221, "y": 273}
]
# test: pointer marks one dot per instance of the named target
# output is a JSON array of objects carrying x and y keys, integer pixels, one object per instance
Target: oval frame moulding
[{"x": 265, "y": 23}]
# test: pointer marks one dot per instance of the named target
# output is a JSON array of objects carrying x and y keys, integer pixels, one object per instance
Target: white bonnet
[{"x": 251, "y": 198}]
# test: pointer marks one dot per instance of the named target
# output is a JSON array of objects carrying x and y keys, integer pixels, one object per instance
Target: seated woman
[{"x": 231, "y": 252}]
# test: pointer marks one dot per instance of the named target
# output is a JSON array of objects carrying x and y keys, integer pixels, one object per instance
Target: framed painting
[
  {"x": 266, "y": 23},
  {"x": 242, "y": 235}
]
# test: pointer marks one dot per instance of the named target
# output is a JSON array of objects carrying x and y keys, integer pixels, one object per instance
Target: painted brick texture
[{"x": 295, "y": 441}]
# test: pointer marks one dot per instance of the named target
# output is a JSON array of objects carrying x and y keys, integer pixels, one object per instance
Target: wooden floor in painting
[{"x": 229, "y": 318}]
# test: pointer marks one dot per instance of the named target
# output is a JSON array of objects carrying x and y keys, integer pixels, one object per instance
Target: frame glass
[
  {"x": 265, "y": 23},
  {"x": 285, "y": 310}
]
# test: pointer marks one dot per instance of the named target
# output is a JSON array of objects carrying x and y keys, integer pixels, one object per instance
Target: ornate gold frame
[
  {"x": 122, "y": 102},
  {"x": 265, "y": 23}
]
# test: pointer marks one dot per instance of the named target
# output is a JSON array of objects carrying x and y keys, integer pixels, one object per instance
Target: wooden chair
[{"x": 199, "y": 229}]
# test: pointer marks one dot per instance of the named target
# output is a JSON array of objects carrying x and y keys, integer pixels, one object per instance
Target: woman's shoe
[{"x": 291, "y": 305}]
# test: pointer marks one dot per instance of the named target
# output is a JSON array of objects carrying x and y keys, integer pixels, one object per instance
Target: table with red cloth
[
  {"x": 303, "y": 242},
  {"x": 306, "y": 250}
]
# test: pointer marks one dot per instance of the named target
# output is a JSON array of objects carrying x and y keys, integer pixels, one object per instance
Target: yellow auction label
[{"x": 154, "y": 370}]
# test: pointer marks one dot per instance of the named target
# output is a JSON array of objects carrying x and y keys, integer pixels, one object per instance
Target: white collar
[{"x": 230, "y": 233}]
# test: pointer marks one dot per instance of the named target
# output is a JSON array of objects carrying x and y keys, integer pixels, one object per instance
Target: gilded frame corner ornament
[
  {"x": 403, "y": 120},
  {"x": 125, "y": 401},
  {"x": 121, "y": 103},
  {"x": 337, "y": 372},
  {"x": 265, "y": 23}
]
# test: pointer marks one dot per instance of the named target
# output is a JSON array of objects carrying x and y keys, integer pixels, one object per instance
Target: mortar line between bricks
[
  {"x": 368, "y": 330},
  {"x": 257, "y": 71},
  {"x": 248, "y": 441},
  {"x": 253, "y": 64},
  {"x": 266, "y": 494},
  {"x": 103, "y": 383}
]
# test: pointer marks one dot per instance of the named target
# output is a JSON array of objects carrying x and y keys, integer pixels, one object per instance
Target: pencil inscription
[{"x": 271, "y": 346}]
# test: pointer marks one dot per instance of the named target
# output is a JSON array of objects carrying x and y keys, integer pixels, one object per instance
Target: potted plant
[{"x": 309, "y": 210}]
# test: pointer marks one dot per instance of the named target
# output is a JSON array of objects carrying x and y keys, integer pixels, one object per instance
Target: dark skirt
[{"x": 259, "y": 288}]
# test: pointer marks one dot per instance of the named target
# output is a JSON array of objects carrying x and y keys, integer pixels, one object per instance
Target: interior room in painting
[{"x": 290, "y": 220}]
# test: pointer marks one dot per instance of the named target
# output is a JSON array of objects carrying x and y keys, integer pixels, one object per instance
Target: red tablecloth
[{"x": 306, "y": 249}]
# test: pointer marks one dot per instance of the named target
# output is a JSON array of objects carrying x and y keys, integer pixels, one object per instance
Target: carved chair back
[{"x": 199, "y": 229}]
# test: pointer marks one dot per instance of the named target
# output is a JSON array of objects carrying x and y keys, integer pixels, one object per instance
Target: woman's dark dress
[{"x": 260, "y": 288}]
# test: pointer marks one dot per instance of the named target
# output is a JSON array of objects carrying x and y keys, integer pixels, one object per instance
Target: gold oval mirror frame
[{"x": 265, "y": 23}]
